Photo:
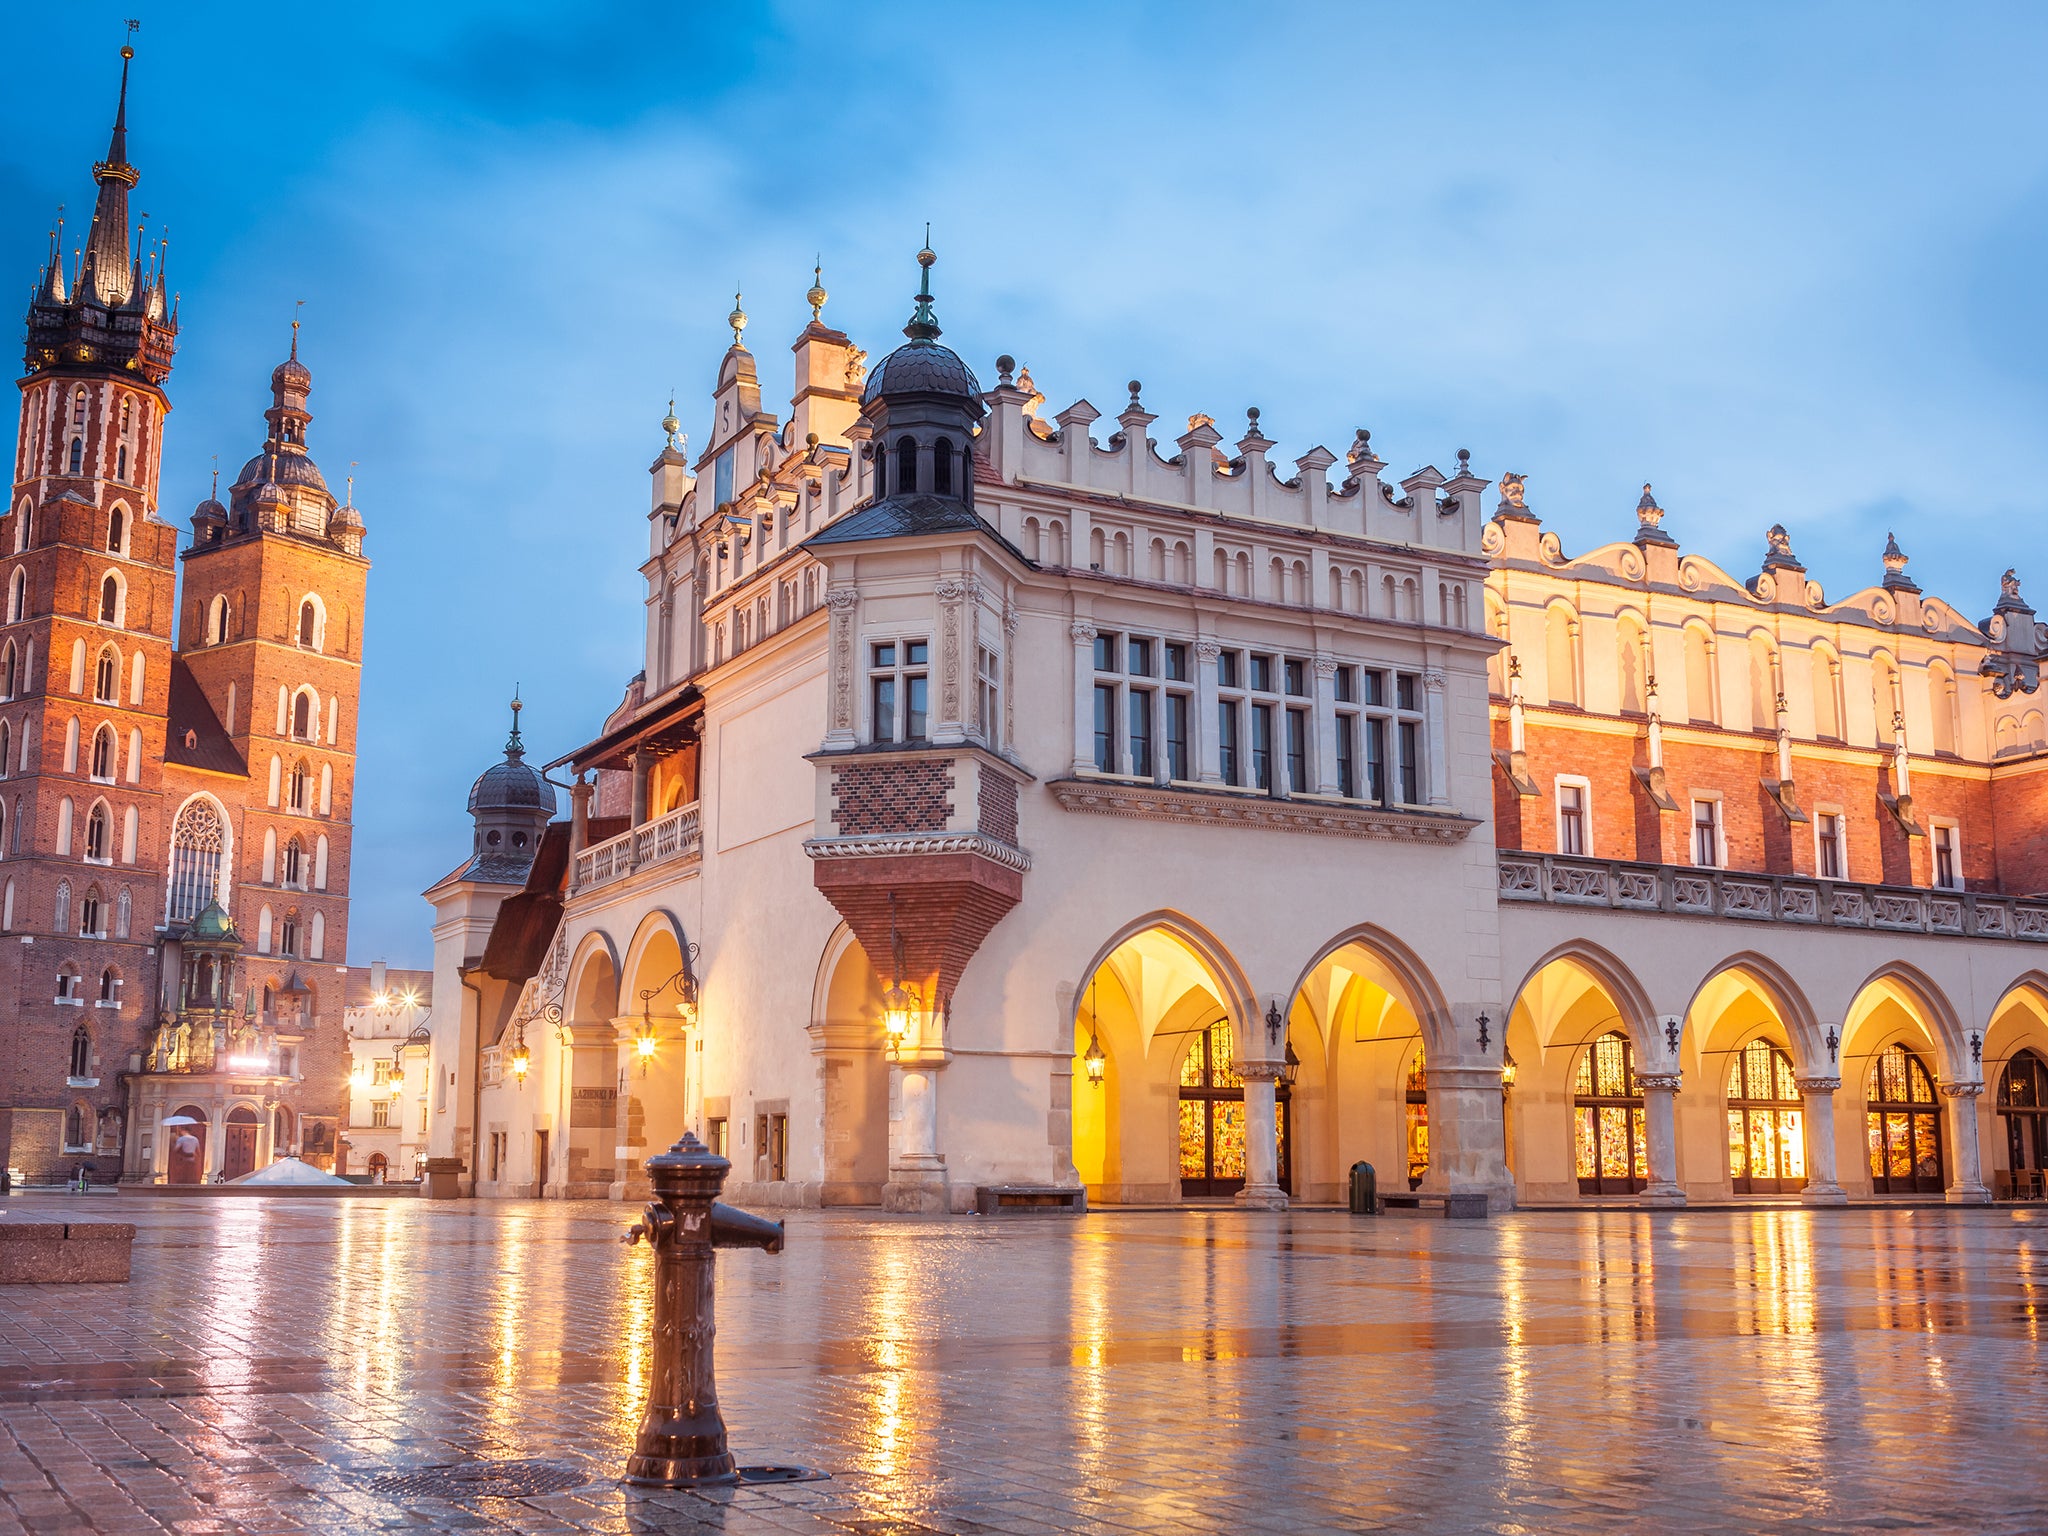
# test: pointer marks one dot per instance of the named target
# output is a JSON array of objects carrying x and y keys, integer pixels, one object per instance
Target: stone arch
[
  {"x": 1612, "y": 974},
  {"x": 592, "y": 995},
  {"x": 851, "y": 1048},
  {"x": 1145, "y": 998},
  {"x": 1914, "y": 993},
  {"x": 1775, "y": 983},
  {"x": 1426, "y": 999}
]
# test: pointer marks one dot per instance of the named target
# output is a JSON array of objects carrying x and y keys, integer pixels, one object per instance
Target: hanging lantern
[
  {"x": 896, "y": 1006},
  {"x": 1094, "y": 1060},
  {"x": 522, "y": 1062},
  {"x": 1291, "y": 1068}
]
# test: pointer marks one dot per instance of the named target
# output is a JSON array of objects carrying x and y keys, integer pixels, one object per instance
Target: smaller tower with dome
[{"x": 511, "y": 803}]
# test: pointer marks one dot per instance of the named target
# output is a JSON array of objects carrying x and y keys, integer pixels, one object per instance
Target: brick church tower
[
  {"x": 87, "y": 578},
  {"x": 175, "y": 784}
]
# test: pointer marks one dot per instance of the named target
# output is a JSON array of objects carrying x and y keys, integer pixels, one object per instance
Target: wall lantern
[
  {"x": 1291, "y": 1067},
  {"x": 1507, "y": 1069},
  {"x": 897, "y": 1002}
]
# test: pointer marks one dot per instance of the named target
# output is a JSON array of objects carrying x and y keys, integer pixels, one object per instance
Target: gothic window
[
  {"x": 1766, "y": 1139},
  {"x": 110, "y": 599},
  {"x": 81, "y": 1052},
  {"x": 106, "y": 677},
  {"x": 1608, "y": 1127},
  {"x": 1902, "y": 1125},
  {"x": 25, "y": 530},
  {"x": 61, "y": 916},
  {"x": 117, "y": 524},
  {"x": 217, "y": 622},
  {"x": 906, "y": 466},
  {"x": 109, "y": 984},
  {"x": 10, "y": 665},
  {"x": 302, "y": 716},
  {"x": 124, "y": 913},
  {"x": 301, "y": 776},
  {"x": 942, "y": 468},
  {"x": 77, "y": 1128},
  {"x": 295, "y": 864},
  {"x": 309, "y": 625},
  {"x": 77, "y": 454},
  {"x": 78, "y": 408},
  {"x": 91, "y": 912},
  {"x": 288, "y": 934},
  {"x": 103, "y": 754},
  {"x": 2023, "y": 1106},
  {"x": 1212, "y": 1116},
  {"x": 17, "y": 597},
  {"x": 197, "y": 841}
]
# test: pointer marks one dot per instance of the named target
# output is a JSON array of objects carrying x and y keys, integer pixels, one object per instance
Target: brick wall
[
  {"x": 913, "y": 794},
  {"x": 996, "y": 810}
]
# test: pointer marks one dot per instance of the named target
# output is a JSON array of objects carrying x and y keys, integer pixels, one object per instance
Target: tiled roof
[{"x": 194, "y": 737}]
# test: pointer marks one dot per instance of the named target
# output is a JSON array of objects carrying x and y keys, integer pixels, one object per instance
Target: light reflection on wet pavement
[{"x": 1195, "y": 1371}]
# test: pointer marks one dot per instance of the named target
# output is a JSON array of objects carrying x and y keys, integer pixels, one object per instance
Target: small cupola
[
  {"x": 511, "y": 803},
  {"x": 923, "y": 405}
]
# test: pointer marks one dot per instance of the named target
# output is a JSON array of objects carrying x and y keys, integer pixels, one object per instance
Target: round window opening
[{"x": 492, "y": 839}]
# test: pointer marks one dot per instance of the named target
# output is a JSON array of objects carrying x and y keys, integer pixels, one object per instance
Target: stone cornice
[
  {"x": 915, "y": 843},
  {"x": 1149, "y": 802}
]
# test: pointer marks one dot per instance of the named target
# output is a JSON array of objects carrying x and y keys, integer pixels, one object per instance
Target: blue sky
[{"x": 1784, "y": 262}]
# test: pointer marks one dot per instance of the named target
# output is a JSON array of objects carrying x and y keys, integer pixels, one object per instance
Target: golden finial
[
  {"x": 817, "y": 296},
  {"x": 737, "y": 319},
  {"x": 670, "y": 425}
]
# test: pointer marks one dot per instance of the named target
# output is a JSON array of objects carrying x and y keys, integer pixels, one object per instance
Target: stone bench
[
  {"x": 36, "y": 1252},
  {"x": 1029, "y": 1199}
]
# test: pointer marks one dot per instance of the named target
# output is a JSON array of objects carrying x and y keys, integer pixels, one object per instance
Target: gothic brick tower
[
  {"x": 272, "y": 633},
  {"x": 87, "y": 579}
]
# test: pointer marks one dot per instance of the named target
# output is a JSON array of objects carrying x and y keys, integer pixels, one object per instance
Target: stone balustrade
[
  {"x": 1744, "y": 896},
  {"x": 678, "y": 836}
]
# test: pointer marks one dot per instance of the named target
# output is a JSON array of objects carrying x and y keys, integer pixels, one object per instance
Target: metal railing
[
  {"x": 676, "y": 836},
  {"x": 1737, "y": 894}
]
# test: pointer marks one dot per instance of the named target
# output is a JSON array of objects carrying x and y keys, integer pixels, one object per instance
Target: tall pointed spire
[
  {"x": 515, "y": 749},
  {"x": 104, "y": 274},
  {"x": 924, "y": 325}
]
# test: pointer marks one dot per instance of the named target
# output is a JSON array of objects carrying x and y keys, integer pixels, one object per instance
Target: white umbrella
[{"x": 181, "y": 1120}]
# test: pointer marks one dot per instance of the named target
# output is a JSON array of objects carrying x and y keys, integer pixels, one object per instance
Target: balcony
[
  {"x": 673, "y": 839},
  {"x": 1747, "y": 897}
]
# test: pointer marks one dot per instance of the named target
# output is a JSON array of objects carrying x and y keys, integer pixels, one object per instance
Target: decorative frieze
[{"x": 1148, "y": 802}]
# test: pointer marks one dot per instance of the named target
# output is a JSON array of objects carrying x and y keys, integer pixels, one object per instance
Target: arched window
[
  {"x": 81, "y": 1053},
  {"x": 2023, "y": 1106},
  {"x": 1941, "y": 704},
  {"x": 1561, "y": 653},
  {"x": 1415, "y": 1098},
  {"x": 104, "y": 752},
  {"x": 60, "y": 915},
  {"x": 197, "y": 841},
  {"x": 1763, "y": 685},
  {"x": 1902, "y": 1126},
  {"x": 1885, "y": 704},
  {"x": 309, "y": 625},
  {"x": 906, "y": 466},
  {"x": 92, "y": 914},
  {"x": 124, "y": 913},
  {"x": 1211, "y": 1115},
  {"x": 942, "y": 467},
  {"x": 304, "y": 720},
  {"x": 1608, "y": 1127},
  {"x": 117, "y": 524},
  {"x": 1766, "y": 1145},
  {"x": 288, "y": 934},
  {"x": 110, "y": 599},
  {"x": 10, "y": 662},
  {"x": 77, "y": 454},
  {"x": 301, "y": 776},
  {"x": 295, "y": 863},
  {"x": 17, "y": 596},
  {"x": 78, "y": 407},
  {"x": 217, "y": 622},
  {"x": 106, "y": 677},
  {"x": 109, "y": 984},
  {"x": 78, "y": 1122}
]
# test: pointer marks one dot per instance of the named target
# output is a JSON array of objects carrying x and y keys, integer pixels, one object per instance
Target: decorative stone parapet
[{"x": 1695, "y": 892}]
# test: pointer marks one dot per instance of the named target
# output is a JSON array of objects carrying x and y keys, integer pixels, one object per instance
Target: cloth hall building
[
  {"x": 1018, "y": 800},
  {"x": 176, "y": 758}
]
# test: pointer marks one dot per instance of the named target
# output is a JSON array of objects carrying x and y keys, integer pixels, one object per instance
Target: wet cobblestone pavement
[{"x": 292, "y": 1366}]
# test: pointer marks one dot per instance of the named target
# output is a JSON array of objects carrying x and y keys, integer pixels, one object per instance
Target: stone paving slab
[{"x": 271, "y": 1367}]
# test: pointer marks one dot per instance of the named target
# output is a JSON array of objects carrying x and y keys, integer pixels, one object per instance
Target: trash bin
[{"x": 1365, "y": 1193}]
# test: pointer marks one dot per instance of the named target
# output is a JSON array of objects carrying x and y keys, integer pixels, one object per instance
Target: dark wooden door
[{"x": 240, "y": 1156}]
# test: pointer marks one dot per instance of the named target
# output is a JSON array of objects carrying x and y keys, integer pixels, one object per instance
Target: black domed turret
[
  {"x": 512, "y": 803},
  {"x": 923, "y": 403}
]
